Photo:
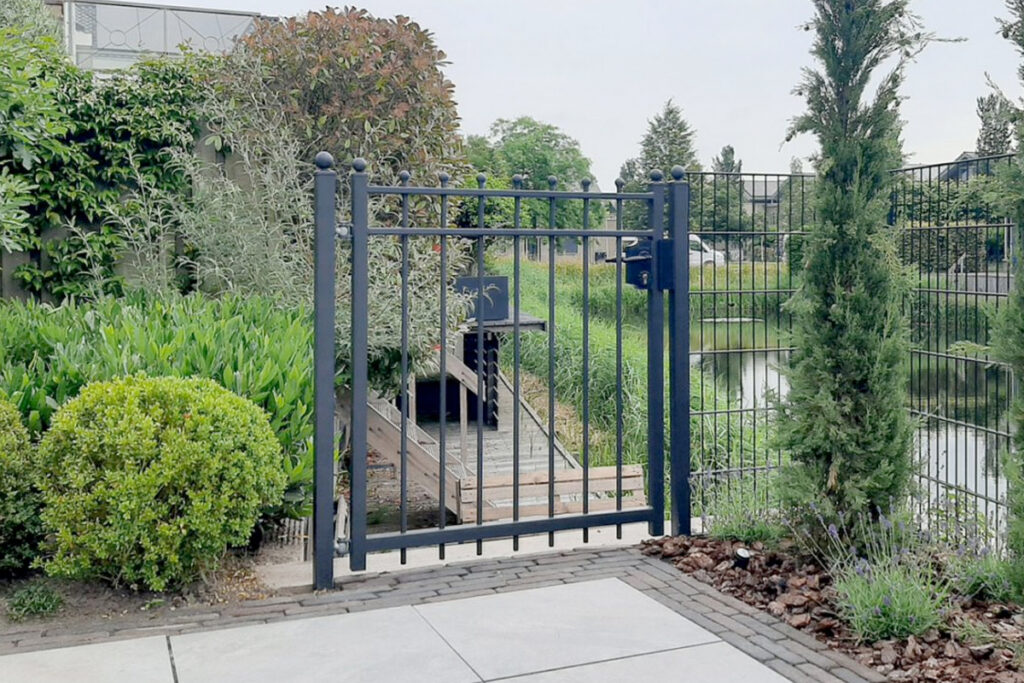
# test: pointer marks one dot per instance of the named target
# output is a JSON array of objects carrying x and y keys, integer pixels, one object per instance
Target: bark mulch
[{"x": 800, "y": 592}]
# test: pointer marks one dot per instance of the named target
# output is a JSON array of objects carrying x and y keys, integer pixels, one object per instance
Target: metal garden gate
[{"x": 459, "y": 425}]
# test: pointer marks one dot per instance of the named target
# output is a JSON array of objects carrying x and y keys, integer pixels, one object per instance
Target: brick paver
[{"x": 792, "y": 653}]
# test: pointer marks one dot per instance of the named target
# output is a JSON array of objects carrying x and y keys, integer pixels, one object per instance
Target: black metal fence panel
[
  {"x": 521, "y": 396},
  {"x": 958, "y": 248}
]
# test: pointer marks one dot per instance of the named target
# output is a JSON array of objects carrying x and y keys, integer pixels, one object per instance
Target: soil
[
  {"x": 84, "y": 602},
  {"x": 801, "y": 593}
]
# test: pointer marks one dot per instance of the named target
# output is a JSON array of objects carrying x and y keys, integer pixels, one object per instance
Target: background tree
[
  {"x": 537, "y": 151},
  {"x": 720, "y": 198},
  {"x": 357, "y": 85},
  {"x": 726, "y": 161},
  {"x": 844, "y": 421},
  {"x": 994, "y": 131},
  {"x": 669, "y": 141}
]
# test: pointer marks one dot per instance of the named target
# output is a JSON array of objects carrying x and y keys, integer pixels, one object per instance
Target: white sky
[{"x": 599, "y": 69}]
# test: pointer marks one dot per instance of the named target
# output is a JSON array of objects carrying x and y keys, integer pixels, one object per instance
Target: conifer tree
[
  {"x": 994, "y": 130},
  {"x": 844, "y": 421}
]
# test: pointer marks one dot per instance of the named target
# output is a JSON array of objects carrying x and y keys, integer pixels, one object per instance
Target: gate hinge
[{"x": 639, "y": 265}]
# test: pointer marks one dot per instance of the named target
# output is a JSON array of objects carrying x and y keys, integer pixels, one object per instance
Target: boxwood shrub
[
  {"x": 20, "y": 527},
  {"x": 147, "y": 481}
]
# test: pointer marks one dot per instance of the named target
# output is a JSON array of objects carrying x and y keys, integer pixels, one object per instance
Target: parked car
[
  {"x": 703, "y": 255},
  {"x": 700, "y": 253}
]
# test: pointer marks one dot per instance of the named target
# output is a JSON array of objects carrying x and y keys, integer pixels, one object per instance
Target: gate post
[
  {"x": 325, "y": 190},
  {"x": 358, "y": 367},
  {"x": 679, "y": 353},
  {"x": 656, "y": 359}
]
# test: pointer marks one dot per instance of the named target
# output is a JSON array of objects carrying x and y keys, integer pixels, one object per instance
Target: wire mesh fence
[{"x": 957, "y": 247}]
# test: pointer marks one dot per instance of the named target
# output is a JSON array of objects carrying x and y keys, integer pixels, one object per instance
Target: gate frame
[{"x": 675, "y": 194}]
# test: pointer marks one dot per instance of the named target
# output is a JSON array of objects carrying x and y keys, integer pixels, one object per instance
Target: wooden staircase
[{"x": 384, "y": 422}]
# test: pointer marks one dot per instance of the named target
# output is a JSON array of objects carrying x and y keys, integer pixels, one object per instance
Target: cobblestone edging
[{"x": 795, "y": 655}]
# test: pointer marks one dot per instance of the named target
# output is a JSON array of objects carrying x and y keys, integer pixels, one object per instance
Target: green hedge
[
  {"x": 147, "y": 481},
  {"x": 20, "y": 527},
  {"x": 47, "y": 354}
]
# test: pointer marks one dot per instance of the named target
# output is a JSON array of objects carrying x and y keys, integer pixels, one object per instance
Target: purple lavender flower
[
  {"x": 886, "y": 524},
  {"x": 833, "y": 531},
  {"x": 887, "y": 601},
  {"x": 878, "y": 611}
]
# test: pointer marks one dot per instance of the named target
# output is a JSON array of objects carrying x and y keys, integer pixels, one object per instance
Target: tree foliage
[
  {"x": 1008, "y": 332},
  {"x": 536, "y": 151},
  {"x": 994, "y": 130},
  {"x": 668, "y": 142},
  {"x": 360, "y": 86},
  {"x": 844, "y": 420},
  {"x": 726, "y": 161}
]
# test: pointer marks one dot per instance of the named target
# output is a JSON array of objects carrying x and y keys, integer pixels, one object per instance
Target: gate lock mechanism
[{"x": 639, "y": 265}]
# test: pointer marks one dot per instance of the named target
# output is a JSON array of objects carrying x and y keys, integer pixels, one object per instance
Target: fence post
[
  {"x": 679, "y": 354},
  {"x": 359, "y": 370},
  {"x": 325, "y": 197},
  {"x": 656, "y": 359}
]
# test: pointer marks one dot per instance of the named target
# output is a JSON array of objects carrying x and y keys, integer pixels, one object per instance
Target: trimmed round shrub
[
  {"x": 20, "y": 526},
  {"x": 147, "y": 481}
]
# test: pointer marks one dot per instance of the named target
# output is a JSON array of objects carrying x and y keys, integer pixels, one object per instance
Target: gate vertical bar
[
  {"x": 360, "y": 303},
  {"x": 656, "y": 360},
  {"x": 325, "y": 198},
  {"x": 679, "y": 355}
]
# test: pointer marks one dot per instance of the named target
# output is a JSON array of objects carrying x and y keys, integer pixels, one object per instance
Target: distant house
[
  {"x": 762, "y": 195},
  {"x": 102, "y": 35}
]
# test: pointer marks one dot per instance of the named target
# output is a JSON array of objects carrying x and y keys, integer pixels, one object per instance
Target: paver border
[{"x": 792, "y": 653}]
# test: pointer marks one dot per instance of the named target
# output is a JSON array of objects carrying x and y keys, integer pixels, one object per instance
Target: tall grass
[{"x": 715, "y": 444}]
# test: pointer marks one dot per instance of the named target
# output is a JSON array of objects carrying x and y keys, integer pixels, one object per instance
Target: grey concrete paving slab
[
  {"x": 393, "y": 644},
  {"x": 144, "y": 660},
  {"x": 511, "y": 634},
  {"x": 711, "y": 663}
]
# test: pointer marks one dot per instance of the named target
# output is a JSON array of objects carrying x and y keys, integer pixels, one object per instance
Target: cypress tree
[
  {"x": 1008, "y": 333},
  {"x": 844, "y": 421}
]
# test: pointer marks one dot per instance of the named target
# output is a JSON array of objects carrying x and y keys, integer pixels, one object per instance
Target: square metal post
[
  {"x": 359, "y": 369},
  {"x": 325, "y": 196},
  {"x": 679, "y": 354},
  {"x": 656, "y": 360}
]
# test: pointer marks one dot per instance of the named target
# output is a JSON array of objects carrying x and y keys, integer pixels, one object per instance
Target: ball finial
[
  {"x": 324, "y": 160},
  {"x": 619, "y": 184},
  {"x": 552, "y": 181},
  {"x": 444, "y": 178},
  {"x": 481, "y": 179},
  {"x": 657, "y": 176},
  {"x": 359, "y": 164},
  {"x": 677, "y": 172},
  {"x": 404, "y": 176},
  {"x": 517, "y": 181},
  {"x": 585, "y": 183}
]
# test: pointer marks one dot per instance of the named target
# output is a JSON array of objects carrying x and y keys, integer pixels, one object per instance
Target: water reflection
[{"x": 962, "y": 406}]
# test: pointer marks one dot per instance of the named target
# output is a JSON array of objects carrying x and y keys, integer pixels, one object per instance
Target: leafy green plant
[
  {"x": 31, "y": 19},
  {"x": 980, "y": 574},
  {"x": 82, "y": 144},
  {"x": 739, "y": 513},
  {"x": 249, "y": 346},
  {"x": 147, "y": 481},
  {"x": 885, "y": 575},
  {"x": 37, "y": 599},
  {"x": 20, "y": 528},
  {"x": 895, "y": 598}
]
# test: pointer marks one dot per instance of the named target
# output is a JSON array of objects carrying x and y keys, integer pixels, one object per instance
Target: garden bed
[{"x": 979, "y": 641}]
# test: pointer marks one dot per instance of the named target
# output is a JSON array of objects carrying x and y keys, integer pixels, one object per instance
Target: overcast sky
[{"x": 599, "y": 69}]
